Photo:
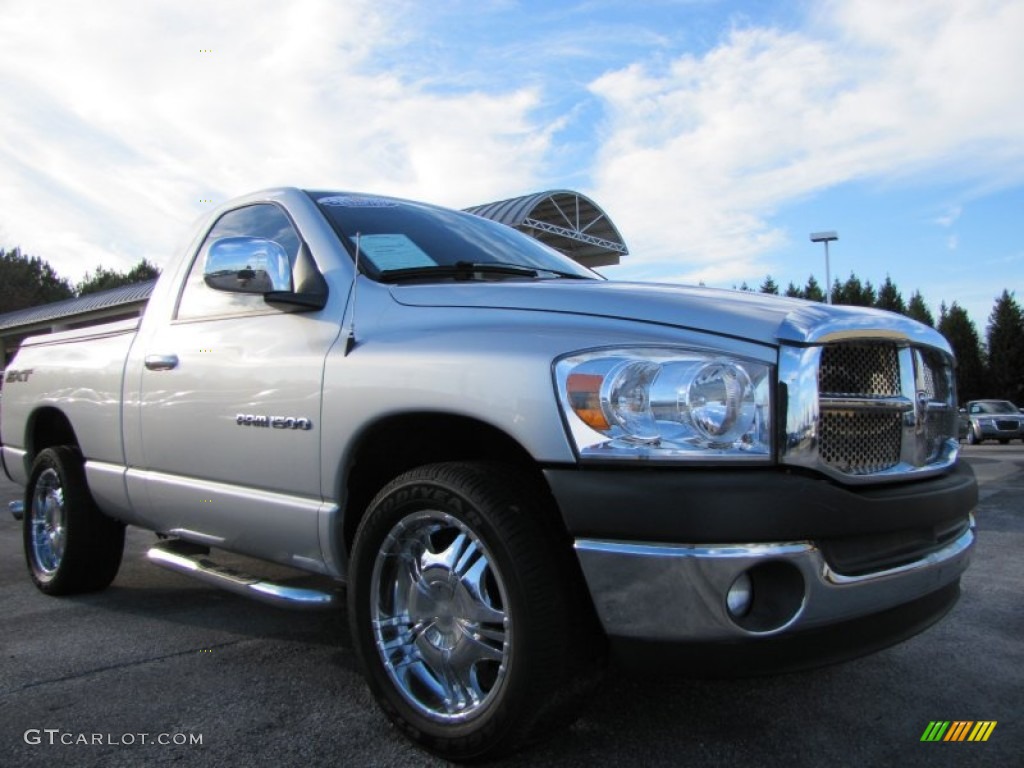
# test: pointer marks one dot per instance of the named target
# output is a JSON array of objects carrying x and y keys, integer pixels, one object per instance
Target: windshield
[
  {"x": 995, "y": 406},
  {"x": 402, "y": 235}
]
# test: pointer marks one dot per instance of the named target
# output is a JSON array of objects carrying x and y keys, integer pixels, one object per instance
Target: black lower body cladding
[{"x": 741, "y": 505}]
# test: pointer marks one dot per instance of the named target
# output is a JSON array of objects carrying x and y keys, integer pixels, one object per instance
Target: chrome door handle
[{"x": 161, "y": 362}]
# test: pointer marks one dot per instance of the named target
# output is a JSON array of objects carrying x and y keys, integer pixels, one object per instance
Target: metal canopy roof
[
  {"x": 565, "y": 220},
  {"x": 93, "y": 302}
]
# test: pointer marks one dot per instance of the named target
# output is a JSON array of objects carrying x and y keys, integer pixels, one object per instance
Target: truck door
[{"x": 230, "y": 411}]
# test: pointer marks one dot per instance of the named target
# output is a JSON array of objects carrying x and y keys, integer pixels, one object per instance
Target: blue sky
[{"x": 717, "y": 135}]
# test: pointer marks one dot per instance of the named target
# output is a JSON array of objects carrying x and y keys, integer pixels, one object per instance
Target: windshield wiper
[
  {"x": 568, "y": 275},
  {"x": 460, "y": 270}
]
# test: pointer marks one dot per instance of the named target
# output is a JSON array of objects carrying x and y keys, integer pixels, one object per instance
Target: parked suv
[{"x": 993, "y": 420}]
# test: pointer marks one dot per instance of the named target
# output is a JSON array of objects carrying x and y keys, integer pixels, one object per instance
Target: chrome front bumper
[{"x": 679, "y": 593}]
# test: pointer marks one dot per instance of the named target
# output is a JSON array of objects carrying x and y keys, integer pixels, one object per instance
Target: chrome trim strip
[
  {"x": 956, "y": 547},
  {"x": 197, "y": 537},
  {"x": 695, "y": 551},
  {"x": 878, "y": 404}
]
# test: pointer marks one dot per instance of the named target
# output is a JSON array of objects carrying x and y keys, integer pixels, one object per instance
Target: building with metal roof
[
  {"x": 567, "y": 221},
  {"x": 101, "y": 307}
]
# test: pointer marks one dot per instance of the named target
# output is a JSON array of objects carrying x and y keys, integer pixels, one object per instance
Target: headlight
[{"x": 666, "y": 404}]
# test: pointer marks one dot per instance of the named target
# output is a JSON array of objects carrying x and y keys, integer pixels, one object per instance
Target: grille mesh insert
[
  {"x": 860, "y": 443},
  {"x": 860, "y": 370}
]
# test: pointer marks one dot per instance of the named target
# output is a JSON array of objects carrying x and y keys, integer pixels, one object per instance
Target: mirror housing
[
  {"x": 258, "y": 265},
  {"x": 247, "y": 265}
]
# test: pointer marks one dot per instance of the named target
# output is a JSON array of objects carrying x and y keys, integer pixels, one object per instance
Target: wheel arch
[
  {"x": 47, "y": 427},
  {"x": 397, "y": 443}
]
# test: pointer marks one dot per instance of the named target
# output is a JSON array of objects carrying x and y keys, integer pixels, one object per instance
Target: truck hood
[{"x": 740, "y": 314}]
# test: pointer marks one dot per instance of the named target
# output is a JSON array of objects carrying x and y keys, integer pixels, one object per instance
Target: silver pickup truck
[{"x": 517, "y": 469}]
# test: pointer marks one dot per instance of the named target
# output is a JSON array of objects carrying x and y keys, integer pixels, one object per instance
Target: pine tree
[
  {"x": 837, "y": 291},
  {"x": 813, "y": 291},
  {"x": 27, "y": 281},
  {"x": 890, "y": 298},
  {"x": 918, "y": 310},
  {"x": 104, "y": 279},
  {"x": 853, "y": 292},
  {"x": 962, "y": 336},
  {"x": 1006, "y": 349},
  {"x": 769, "y": 286},
  {"x": 793, "y": 292}
]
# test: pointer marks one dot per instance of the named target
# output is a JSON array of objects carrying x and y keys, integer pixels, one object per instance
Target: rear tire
[
  {"x": 70, "y": 546},
  {"x": 468, "y": 611}
]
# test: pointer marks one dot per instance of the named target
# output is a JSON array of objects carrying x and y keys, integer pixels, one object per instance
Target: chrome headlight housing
[{"x": 668, "y": 404}]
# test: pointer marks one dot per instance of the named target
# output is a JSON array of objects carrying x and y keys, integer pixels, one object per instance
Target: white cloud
[
  {"x": 117, "y": 122},
  {"x": 698, "y": 155},
  {"x": 950, "y": 217}
]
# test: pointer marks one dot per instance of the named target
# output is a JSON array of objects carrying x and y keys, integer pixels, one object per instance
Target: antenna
[{"x": 350, "y": 342}]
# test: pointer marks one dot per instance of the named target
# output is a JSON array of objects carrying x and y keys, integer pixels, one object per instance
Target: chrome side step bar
[
  {"x": 17, "y": 509},
  {"x": 185, "y": 558}
]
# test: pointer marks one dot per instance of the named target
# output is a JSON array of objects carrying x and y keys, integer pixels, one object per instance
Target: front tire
[
  {"x": 468, "y": 611},
  {"x": 70, "y": 546},
  {"x": 972, "y": 437}
]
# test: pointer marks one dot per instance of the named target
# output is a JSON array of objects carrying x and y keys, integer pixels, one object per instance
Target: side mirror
[
  {"x": 963, "y": 411},
  {"x": 247, "y": 265}
]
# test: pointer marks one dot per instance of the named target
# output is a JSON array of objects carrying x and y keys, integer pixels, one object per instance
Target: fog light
[{"x": 740, "y": 596}]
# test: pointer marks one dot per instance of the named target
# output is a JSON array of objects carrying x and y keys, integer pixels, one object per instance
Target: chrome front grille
[{"x": 869, "y": 410}]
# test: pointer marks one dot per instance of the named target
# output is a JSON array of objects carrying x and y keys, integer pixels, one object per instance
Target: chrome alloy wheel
[
  {"x": 439, "y": 616},
  {"x": 48, "y": 520}
]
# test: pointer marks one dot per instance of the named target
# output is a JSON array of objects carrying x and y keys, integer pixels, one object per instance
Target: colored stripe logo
[{"x": 959, "y": 730}]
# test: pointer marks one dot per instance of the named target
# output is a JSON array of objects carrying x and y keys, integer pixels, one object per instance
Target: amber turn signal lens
[{"x": 584, "y": 390}]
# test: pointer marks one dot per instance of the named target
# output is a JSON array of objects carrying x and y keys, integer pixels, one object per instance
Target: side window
[{"x": 262, "y": 220}]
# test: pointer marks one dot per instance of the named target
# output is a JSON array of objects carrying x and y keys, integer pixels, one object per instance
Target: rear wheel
[
  {"x": 468, "y": 611},
  {"x": 70, "y": 546}
]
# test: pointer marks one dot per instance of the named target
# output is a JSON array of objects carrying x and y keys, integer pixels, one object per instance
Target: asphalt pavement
[{"x": 161, "y": 670}]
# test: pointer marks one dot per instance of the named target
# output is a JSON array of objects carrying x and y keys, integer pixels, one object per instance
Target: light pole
[{"x": 826, "y": 238}]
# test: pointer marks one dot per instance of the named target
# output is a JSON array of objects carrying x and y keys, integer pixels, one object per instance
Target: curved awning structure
[{"x": 567, "y": 221}]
